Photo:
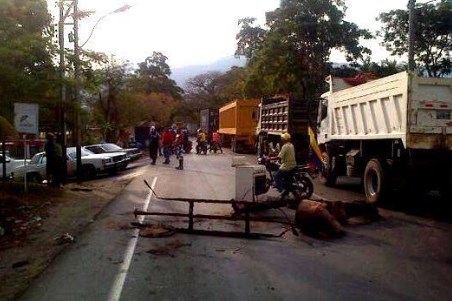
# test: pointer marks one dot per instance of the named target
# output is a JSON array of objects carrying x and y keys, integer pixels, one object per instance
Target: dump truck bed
[{"x": 403, "y": 106}]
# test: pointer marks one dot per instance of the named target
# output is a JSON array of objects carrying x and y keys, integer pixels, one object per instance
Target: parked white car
[
  {"x": 101, "y": 148},
  {"x": 10, "y": 163},
  {"x": 92, "y": 164}
]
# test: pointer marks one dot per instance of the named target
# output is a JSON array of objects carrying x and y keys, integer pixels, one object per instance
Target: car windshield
[
  {"x": 73, "y": 155},
  {"x": 110, "y": 147},
  {"x": 35, "y": 159}
]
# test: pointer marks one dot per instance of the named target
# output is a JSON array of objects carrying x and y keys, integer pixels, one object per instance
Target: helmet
[{"x": 285, "y": 136}]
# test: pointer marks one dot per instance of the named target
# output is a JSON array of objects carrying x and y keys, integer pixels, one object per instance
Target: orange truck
[{"x": 238, "y": 121}]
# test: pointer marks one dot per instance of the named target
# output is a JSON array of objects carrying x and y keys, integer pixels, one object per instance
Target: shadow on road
[{"x": 426, "y": 205}]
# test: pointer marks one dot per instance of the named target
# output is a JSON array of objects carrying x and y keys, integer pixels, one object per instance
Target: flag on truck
[{"x": 315, "y": 155}]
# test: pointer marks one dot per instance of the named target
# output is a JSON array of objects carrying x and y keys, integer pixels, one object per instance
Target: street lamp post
[
  {"x": 64, "y": 13},
  {"x": 77, "y": 94}
]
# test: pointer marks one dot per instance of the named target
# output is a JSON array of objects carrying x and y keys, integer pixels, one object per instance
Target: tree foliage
[
  {"x": 433, "y": 36},
  {"x": 292, "y": 55},
  {"x": 153, "y": 76},
  {"x": 27, "y": 73}
]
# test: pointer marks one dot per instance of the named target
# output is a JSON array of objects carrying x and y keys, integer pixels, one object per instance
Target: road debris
[
  {"x": 167, "y": 249},
  {"x": 20, "y": 264},
  {"x": 326, "y": 218},
  {"x": 155, "y": 231},
  {"x": 65, "y": 238}
]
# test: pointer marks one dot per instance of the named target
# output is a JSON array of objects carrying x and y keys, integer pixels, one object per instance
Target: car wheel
[
  {"x": 88, "y": 171},
  {"x": 34, "y": 178}
]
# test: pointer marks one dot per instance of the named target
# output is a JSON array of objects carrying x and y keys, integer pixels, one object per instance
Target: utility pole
[
  {"x": 62, "y": 22},
  {"x": 77, "y": 94},
  {"x": 411, "y": 33}
]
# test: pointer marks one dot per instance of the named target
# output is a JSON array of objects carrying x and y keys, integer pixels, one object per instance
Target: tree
[
  {"x": 292, "y": 56},
  {"x": 384, "y": 68},
  {"x": 27, "y": 73},
  {"x": 433, "y": 36},
  {"x": 153, "y": 76}
]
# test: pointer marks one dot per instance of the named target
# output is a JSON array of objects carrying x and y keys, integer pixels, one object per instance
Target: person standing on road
[
  {"x": 167, "y": 143},
  {"x": 288, "y": 162},
  {"x": 154, "y": 141},
  {"x": 179, "y": 148},
  {"x": 53, "y": 161}
]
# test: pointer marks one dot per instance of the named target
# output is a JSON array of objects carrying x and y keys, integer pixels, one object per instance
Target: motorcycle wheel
[{"x": 303, "y": 187}]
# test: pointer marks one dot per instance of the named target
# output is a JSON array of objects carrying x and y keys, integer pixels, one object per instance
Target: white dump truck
[{"x": 392, "y": 132}]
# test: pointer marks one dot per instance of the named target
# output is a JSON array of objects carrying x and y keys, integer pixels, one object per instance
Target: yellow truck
[{"x": 238, "y": 121}]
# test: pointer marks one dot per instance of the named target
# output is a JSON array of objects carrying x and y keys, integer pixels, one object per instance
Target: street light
[
  {"x": 119, "y": 10},
  {"x": 77, "y": 49}
]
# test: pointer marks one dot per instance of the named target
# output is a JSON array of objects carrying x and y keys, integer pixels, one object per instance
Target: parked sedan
[
  {"x": 92, "y": 164},
  {"x": 101, "y": 148},
  {"x": 10, "y": 163}
]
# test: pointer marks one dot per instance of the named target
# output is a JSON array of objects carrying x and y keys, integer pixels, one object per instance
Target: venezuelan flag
[{"x": 315, "y": 155}]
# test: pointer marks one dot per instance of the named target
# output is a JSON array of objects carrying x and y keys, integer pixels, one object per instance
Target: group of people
[
  {"x": 171, "y": 141},
  {"x": 202, "y": 141},
  {"x": 175, "y": 141}
]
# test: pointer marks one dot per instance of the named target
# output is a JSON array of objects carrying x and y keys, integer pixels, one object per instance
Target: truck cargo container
[
  {"x": 283, "y": 114},
  {"x": 393, "y": 132},
  {"x": 238, "y": 121}
]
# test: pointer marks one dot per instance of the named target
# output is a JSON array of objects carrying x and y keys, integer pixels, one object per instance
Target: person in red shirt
[
  {"x": 216, "y": 139},
  {"x": 167, "y": 143}
]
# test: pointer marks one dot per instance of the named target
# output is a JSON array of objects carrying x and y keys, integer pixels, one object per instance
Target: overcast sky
[{"x": 192, "y": 32}]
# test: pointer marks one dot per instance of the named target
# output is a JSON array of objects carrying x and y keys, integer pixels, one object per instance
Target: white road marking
[{"x": 118, "y": 284}]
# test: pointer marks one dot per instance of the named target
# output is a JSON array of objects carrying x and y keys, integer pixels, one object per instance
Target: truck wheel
[
  {"x": 375, "y": 182},
  {"x": 328, "y": 174}
]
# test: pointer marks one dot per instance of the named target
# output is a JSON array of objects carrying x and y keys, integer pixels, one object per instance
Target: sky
[{"x": 196, "y": 32}]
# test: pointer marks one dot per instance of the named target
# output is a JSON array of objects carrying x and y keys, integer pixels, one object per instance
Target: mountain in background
[{"x": 181, "y": 75}]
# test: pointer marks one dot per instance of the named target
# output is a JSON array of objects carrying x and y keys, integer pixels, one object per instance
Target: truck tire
[
  {"x": 376, "y": 181},
  {"x": 328, "y": 174}
]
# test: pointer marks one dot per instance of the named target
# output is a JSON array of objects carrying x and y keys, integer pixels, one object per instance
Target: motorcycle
[
  {"x": 201, "y": 148},
  {"x": 214, "y": 147},
  {"x": 297, "y": 182}
]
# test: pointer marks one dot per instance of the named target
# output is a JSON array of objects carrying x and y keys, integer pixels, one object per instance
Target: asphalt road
[{"x": 402, "y": 257}]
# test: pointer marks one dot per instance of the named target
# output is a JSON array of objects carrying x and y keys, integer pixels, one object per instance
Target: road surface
[{"x": 401, "y": 257}]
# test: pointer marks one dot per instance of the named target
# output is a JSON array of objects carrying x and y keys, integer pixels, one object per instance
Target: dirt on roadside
[{"x": 36, "y": 226}]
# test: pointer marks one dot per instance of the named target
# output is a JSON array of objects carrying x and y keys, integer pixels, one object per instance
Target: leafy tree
[
  {"x": 433, "y": 36},
  {"x": 292, "y": 56},
  {"x": 157, "y": 107},
  {"x": 27, "y": 73},
  {"x": 153, "y": 76},
  {"x": 385, "y": 68},
  {"x": 250, "y": 38},
  {"x": 203, "y": 90}
]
